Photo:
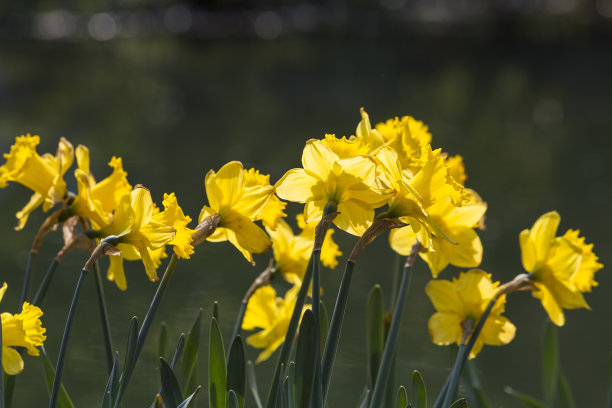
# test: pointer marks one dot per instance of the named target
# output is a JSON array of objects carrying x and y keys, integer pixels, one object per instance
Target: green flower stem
[
  {"x": 44, "y": 285},
  {"x": 106, "y": 332},
  {"x": 520, "y": 282},
  {"x": 261, "y": 280},
  {"x": 317, "y": 397},
  {"x": 329, "y": 355},
  {"x": 378, "y": 395},
  {"x": 146, "y": 325},
  {"x": 57, "y": 380},
  {"x": 289, "y": 337},
  {"x": 328, "y": 216},
  {"x": 27, "y": 280}
]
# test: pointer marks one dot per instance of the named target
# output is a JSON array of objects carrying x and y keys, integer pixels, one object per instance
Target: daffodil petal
[
  {"x": 11, "y": 361},
  {"x": 444, "y": 328},
  {"x": 443, "y": 295},
  {"x": 297, "y": 185}
]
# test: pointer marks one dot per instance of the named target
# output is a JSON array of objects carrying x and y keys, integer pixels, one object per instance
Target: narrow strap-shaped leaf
[
  {"x": 375, "y": 333},
  {"x": 170, "y": 392},
  {"x": 473, "y": 388},
  {"x": 364, "y": 400},
  {"x": 323, "y": 323},
  {"x": 378, "y": 395},
  {"x": 64, "y": 399},
  {"x": 550, "y": 364},
  {"x": 59, "y": 368},
  {"x": 180, "y": 346},
  {"x": 189, "y": 366},
  {"x": 527, "y": 400},
  {"x": 419, "y": 392},
  {"x": 335, "y": 326},
  {"x": 130, "y": 355},
  {"x": 104, "y": 321},
  {"x": 190, "y": 398},
  {"x": 460, "y": 403},
  {"x": 291, "y": 390},
  {"x": 232, "y": 399},
  {"x": 216, "y": 310},
  {"x": 217, "y": 374},
  {"x": 286, "y": 401},
  {"x": 401, "y": 398},
  {"x": 112, "y": 385},
  {"x": 253, "y": 383},
  {"x": 162, "y": 341},
  {"x": 564, "y": 396},
  {"x": 305, "y": 358},
  {"x": 236, "y": 375},
  {"x": 289, "y": 337}
]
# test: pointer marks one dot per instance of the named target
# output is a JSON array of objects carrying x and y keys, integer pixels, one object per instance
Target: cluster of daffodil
[{"x": 386, "y": 177}]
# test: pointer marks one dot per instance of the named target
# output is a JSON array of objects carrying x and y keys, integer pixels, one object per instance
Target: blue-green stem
[
  {"x": 27, "y": 280},
  {"x": 378, "y": 395},
  {"x": 44, "y": 284},
  {"x": 328, "y": 216},
  {"x": 520, "y": 282},
  {"x": 146, "y": 325},
  {"x": 331, "y": 346},
  {"x": 261, "y": 280},
  {"x": 291, "y": 330},
  {"x": 317, "y": 390},
  {"x": 106, "y": 332},
  {"x": 57, "y": 380}
]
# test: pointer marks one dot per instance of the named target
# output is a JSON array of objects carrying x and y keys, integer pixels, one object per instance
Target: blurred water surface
[{"x": 530, "y": 115}]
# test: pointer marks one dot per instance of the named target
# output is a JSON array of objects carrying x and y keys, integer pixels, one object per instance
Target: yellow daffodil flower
[
  {"x": 560, "y": 267},
  {"x": 292, "y": 252},
  {"x": 271, "y": 314},
  {"x": 97, "y": 201},
  {"x": 429, "y": 190},
  {"x": 458, "y": 223},
  {"x": 238, "y": 206},
  {"x": 460, "y": 303},
  {"x": 407, "y": 136},
  {"x": 41, "y": 174},
  {"x": 326, "y": 178},
  {"x": 274, "y": 209},
  {"x": 142, "y": 232},
  {"x": 20, "y": 330}
]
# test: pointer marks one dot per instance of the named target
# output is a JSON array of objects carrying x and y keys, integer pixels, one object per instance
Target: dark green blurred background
[{"x": 522, "y": 90}]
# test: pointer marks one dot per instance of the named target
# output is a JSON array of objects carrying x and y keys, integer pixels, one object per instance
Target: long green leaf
[
  {"x": 323, "y": 323},
  {"x": 232, "y": 400},
  {"x": 236, "y": 375},
  {"x": 130, "y": 351},
  {"x": 178, "y": 352},
  {"x": 170, "y": 392},
  {"x": 253, "y": 383},
  {"x": 291, "y": 385},
  {"x": 419, "y": 392},
  {"x": 217, "y": 374},
  {"x": 190, "y": 398},
  {"x": 401, "y": 398},
  {"x": 527, "y": 400},
  {"x": 162, "y": 341},
  {"x": 460, "y": 403},
  {"x": 305, "y": 358},
  {"x": 564, "y": 396},
  {"x": 112, "y": 385},
  {"x": 189, "y": 366},
  {"x": 375, "y": 333},
  {"x": 216, "y": 310},
  {"x": 550, "y": 364},
  {"x": 473, "y": 388},
  {"x": 64, "y": 399},
  {"x": 364, "y": 400}
]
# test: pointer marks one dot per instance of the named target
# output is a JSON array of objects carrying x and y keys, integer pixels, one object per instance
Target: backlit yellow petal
[
  {"x": 11, "y": 361},
  {"x": 317, "y": 158},
  {"x": 260, "y": 309},
  {"x": 444, "y": 328},
  {"x": 297, "y": 185},
  {"x": 355, "y": 217},
  {"x": 443, "y": 295}
]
